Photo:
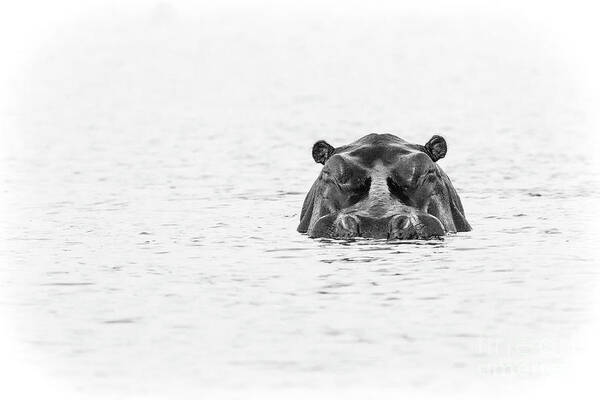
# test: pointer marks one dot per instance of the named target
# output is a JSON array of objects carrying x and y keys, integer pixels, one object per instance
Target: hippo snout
[{"x": 402, "y": 227}]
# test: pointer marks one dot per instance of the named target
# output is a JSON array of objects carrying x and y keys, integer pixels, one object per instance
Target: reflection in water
[{"x": 151, "y": 242}]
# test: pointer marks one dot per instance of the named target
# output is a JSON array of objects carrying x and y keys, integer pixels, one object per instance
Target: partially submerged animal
[{"x": 382, "y": 187}]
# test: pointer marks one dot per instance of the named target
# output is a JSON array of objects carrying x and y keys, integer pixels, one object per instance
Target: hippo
[{"x": 382, "y": 187}]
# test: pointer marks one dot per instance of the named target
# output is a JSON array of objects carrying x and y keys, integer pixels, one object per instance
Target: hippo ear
[
  {"x": 321, "y": 151},
  {"x": 436, "y": 147}
]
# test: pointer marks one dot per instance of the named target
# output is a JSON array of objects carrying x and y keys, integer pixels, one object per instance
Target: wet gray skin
[{"x": 382, "y": 187}]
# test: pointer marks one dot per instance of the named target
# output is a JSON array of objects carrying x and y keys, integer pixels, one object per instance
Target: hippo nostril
[
  {"x": 399, "y": 222},
  {"x": 420, "y": 227},
  {"x": 347, "y": 226},
  {"x": 429, "y": 227},
  {"x": 399, "y": 227},
  {"x": 405, "y": 223},
  {"x": 349, "y": 222}
]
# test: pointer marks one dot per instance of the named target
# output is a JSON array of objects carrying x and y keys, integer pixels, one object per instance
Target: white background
[{"x": 572, "y": 25}]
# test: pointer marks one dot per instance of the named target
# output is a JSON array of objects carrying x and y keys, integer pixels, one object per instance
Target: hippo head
[{"x": 382, "y": 187}]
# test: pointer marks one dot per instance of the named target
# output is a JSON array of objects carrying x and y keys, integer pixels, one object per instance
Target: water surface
[{"x": 153, "y": 182}]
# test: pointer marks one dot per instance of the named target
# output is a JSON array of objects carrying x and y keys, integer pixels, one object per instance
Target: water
[{"x": 153, "y": 182}]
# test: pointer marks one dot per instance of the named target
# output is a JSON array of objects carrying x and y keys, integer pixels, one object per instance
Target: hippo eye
[
  {"x": 399, "y": 191},
  {"x": 359, "y": 191},
  {"x": 429, "y": 176}
]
